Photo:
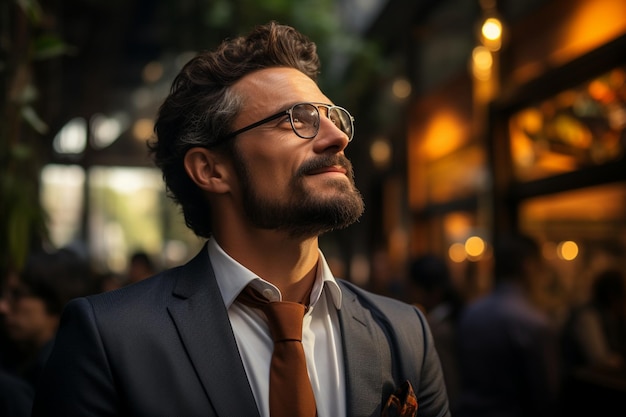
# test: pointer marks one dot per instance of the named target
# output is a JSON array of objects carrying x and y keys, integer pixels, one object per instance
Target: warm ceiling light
[
  {"x": 491, "y": 33},
  {"x": 380, "y": 152},
  {"x": 492, "y": 29},
  {"x": 401, "y": 88},
  {"x": 482, "y": 63},
  {"x": 567, "y": 250},
  {"x": 152, "y": 72},
  {"x": 457, "y": 253},
  {"x": 475, "y": 246},
  {"x": 143, "y": 129}
]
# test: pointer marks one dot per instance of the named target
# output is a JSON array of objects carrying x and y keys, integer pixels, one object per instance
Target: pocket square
[{"x": 402, "y": 403}]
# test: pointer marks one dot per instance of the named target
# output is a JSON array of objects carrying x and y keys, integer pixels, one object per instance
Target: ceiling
[{"x": 112, "y": 41}]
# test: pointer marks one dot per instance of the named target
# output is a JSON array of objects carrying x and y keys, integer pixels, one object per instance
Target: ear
[{"x": 208, "y": 169}]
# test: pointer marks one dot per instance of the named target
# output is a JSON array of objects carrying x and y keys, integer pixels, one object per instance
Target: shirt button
[{"x": 269, "y": 294}]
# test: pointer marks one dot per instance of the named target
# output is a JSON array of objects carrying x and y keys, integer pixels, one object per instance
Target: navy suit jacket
[{"x": 165, "y": 347}]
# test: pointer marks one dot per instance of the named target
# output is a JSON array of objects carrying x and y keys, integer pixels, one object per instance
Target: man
[
  {"x": 508, "y": 349},
  {"x": 32, "y": 303},
  {"x": 140, "y": 266},
  {"x": 253, "y": 152}
]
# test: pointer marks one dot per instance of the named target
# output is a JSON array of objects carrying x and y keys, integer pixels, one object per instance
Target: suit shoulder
[
  {"x": 148, "y": 291},
  {"x": 390, "y": 307}
]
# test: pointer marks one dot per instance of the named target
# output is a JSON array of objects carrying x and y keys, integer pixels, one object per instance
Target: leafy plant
[{"x": 22, "y": 44}]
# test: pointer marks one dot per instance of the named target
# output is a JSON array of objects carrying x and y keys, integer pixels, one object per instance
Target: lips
[
  {"x": 329, "y": 169},
  {"x": 326, "y": 164}
]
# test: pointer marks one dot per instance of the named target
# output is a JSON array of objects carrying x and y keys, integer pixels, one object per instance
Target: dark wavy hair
[
  {"x": 201, "y": 106},
  {"x": 55, "y": 278},
  {"x": 511, "y": 253}
]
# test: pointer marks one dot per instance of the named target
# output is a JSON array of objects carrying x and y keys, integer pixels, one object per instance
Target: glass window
[
  {"x": 62, "y": 194},
  {"x": 128, "y": 211},
  {"x": 579, "y": 127},
  {"x": 458, "y": 175},
  {"x": 582, "y": 232}
]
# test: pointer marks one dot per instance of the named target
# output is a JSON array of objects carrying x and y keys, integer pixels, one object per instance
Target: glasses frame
[{"x": 289, "y": 112}]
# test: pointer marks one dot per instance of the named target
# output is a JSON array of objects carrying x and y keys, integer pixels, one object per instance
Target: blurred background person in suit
[
  {"x": 508, "y": 348},
  {"x": 593, "y": 344},
  {"x": 32, "y": 303},
  {"x": 595, "y": 334},
  {"x": 140, "y": 266}
]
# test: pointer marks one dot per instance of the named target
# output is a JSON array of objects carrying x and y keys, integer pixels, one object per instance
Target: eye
[
  {"x": 298, "y": 122},
  {"x": 336, "y": 118},
  {"x": 284, "y": 120},
  {"x": 304, "y": 116}
]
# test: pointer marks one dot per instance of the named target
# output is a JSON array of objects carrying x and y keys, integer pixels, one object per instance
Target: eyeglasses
[{"x": 305, "y": 120}]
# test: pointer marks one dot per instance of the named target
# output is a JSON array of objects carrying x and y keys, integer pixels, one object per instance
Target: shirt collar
[{"x": 232, "y": 278}]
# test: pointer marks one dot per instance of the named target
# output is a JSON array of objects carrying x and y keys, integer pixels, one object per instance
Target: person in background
[
  {"x": 433, "y": 291},
  {"x": 508, "y": 348},
  {"x": 140, "y": 266},
  {"x": 32, "y": 305},
  {"x": 384, "y": 279},
  {"x": 593, "y": 344},
  {"x": 16, "y": 395},
  {"x": 109, "y": 281},
  {"x": 253, "y": 151},
  {"x": 595, "y": 334}
]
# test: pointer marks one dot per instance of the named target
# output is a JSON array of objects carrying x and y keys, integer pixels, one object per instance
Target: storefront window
[
  {"x": 62, "y": 196},
  {"x": 582, "y": 232},
  {"x": 579, "y": 127},
  {"x": 127, "y": 210},
  {"x": 458, "y": 175}
]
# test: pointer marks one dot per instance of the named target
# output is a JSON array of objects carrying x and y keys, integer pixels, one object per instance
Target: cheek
[
  {"x": 271, "y": 175},
  {"x": 28, "y": 314},
  {"x": 5, "y": 307}
]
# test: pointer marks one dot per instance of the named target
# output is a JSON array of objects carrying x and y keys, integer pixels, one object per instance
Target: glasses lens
[
  {"x": 305, "y": 119},
  {"x": 342, "y": 119}
]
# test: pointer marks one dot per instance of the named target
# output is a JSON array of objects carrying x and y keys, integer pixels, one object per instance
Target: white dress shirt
[{"x": 321, "y": 335}]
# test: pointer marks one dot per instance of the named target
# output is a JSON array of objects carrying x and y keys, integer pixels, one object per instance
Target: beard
[{"x": 303, "y": 213}]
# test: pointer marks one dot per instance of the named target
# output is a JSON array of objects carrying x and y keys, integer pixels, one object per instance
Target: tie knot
[
  {"x": 284, "y": 317},
  {"x": 285, "y": 320}
]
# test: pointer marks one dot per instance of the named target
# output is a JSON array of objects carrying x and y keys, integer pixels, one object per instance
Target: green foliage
[
  {"x": 22, "y": 218},
  {"x": 50, "y": 46},
  {"x": 318, "y": 19}
]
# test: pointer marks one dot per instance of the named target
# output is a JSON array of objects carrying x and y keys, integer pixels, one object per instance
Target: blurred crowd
[
  {"x": 504, "y": 354},
  {"x": 31, "y": 302}
]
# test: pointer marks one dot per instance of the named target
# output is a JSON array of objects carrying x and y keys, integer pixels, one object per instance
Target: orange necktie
[{"x": 291, "y": 394}]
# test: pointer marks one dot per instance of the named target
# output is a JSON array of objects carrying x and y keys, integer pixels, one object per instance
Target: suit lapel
[
  {"x": 200, "y": 316},
  {"x": 367, "y": 358}
]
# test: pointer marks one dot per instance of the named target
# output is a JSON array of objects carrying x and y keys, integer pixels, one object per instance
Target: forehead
[{"x": 275, "y": 88}]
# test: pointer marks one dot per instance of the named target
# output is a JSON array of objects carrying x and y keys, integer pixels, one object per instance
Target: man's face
[
  {"x": 26, "y": 318},
  {"x": 302, "y": 186}
]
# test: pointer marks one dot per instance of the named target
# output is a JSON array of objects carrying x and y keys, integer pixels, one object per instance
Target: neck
[{"x": 288, "y": 263}]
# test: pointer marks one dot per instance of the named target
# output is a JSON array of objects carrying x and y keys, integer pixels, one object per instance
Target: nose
[
  {"x": 4, "y": 305},
  {"x": 329, "y": 137}
]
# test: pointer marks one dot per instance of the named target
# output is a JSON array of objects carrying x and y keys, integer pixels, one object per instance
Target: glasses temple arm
[{"x": 253, "y": 125}]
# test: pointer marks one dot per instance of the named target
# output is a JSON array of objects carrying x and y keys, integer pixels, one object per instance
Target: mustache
[{"x": 324, "y": 161}]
